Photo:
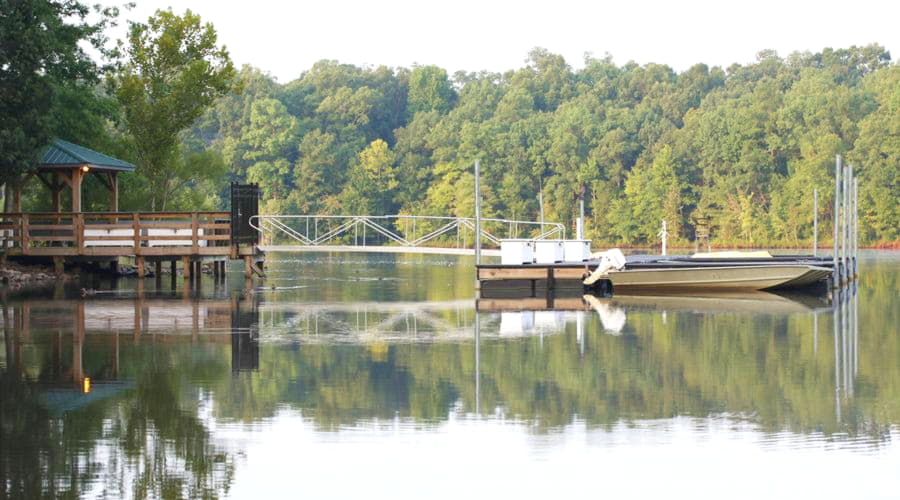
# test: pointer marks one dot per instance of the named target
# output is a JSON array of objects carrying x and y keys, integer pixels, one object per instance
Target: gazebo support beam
[{"x": 77, "y": 178}]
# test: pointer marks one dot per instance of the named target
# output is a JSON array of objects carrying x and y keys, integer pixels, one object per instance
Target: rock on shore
[{"x": 16, "y": 276}]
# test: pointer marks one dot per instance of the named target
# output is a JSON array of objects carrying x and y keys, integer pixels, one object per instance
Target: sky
[{"x": 284, "y": 38}]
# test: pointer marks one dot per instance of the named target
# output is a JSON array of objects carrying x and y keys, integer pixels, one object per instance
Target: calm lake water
[{"x": 350, "y": 376}]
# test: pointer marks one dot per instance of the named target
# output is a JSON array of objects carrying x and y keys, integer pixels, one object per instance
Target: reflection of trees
[
  {"x": 760, "y": 367},
  {"x": 149, "y": 440}
]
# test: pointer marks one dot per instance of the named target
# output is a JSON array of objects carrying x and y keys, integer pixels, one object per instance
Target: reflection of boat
[
  {"x": 751, "y": 301},
  {"x": 756, "y": 301}
]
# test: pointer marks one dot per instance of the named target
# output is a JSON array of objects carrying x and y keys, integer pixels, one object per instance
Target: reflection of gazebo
[{"x": 66, "y": 165}]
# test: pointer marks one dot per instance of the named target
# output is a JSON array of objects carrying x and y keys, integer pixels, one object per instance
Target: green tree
[
  {"x": 373, "y": 181},
  {"x": 173, "y": 72},
  {"x": 429, "y": 90},
  {"x": 43, "y": 65}
]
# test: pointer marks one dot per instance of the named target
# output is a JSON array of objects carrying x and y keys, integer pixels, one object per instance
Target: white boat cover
[{"x": 610, "y": 260}]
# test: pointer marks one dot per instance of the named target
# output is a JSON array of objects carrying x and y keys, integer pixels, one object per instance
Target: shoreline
[{"x": 15, "y": 276}]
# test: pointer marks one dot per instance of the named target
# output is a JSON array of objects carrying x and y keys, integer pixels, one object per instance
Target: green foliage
[
  {"x": 45, "y": 75},
  {"x": 429, "y": 90},
  {"x": 173, "y": 72}
]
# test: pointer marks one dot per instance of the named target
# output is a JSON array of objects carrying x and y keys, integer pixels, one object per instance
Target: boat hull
[{"x": 718, "y": 278}]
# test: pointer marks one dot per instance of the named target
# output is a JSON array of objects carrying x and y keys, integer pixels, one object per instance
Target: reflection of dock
[
  {"x": 744, "y": 301},
  {"x": 106, "y": 323}
]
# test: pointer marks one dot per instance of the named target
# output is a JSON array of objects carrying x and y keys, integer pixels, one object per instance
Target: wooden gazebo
[{"x": 64, "y": 164}]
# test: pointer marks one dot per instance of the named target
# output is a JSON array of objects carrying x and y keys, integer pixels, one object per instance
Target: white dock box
[
  {"x": 548, "y": 251},
  {"x": 515, "y": 252},
  {"x": 577, "y": 250}
]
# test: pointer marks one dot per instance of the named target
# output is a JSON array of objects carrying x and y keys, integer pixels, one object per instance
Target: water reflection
[
  {"x": 96, "y": 397},
  {"x": 167, "y": 370}
]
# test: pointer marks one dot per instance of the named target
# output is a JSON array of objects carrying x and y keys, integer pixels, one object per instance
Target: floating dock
[{"x": 645, "y": 272}]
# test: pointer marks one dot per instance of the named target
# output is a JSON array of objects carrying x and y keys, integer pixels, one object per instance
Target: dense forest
[{"x": 742, "y": 146}]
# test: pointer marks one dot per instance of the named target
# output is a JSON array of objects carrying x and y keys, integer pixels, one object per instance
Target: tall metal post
[
  {"x": 477, "y": 212},
  {"x": 836, "y": 278},
  {"x": 845, "y": 254},
  {"x": 541, "y": 203},
  {"x": 664, "y": 234},
  {"x": 580, "y": 235},
  {"x": 815, "y": 222},
  {"x": 855, "y": 227}
]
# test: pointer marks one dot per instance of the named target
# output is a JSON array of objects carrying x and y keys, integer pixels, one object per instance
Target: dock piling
[
  {"x": 815, "y": 248},
  {"x": 477, "y": 212},
  {"x": 836, "y": 278}
]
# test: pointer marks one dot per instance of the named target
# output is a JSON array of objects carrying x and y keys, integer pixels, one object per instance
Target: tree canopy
[
  {"x": 46, "y": 77},
  {"x": 744, "y": 146}
]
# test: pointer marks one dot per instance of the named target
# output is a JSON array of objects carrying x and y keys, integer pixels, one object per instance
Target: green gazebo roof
[{"x": 62, "y": 153}]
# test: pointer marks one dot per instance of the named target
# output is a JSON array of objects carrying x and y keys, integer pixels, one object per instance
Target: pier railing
[
  {"x": 399, "y": 230},
  {"x": 115, "y": 233}
]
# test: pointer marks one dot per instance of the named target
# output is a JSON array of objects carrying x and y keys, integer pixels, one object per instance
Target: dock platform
[
  {"x": 569, "y": 274},
  {"x": 147, "y": 237}
]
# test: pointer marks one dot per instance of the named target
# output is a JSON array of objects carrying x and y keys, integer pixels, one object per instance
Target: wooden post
[
  {"x": 136, "y": 232},
  {"x": 78, "y": 232},
  {"x": 248, "y": 266},
  {"x": 139, "y": 265},
  {"x": 114, "y": 188},
  {"x": 194, "y": 230},
  {"x": 216, "y": 271},
  {"x": 186, "y": 265},
  {"x": 190, "y": 269},
  {"x": 58, "y": 265},
  {"x": 157, "y": 268},
  {"x": 198, "y": 274},
  {"x": 23, "y": 233},
  {"x": 77, "y": 176}
]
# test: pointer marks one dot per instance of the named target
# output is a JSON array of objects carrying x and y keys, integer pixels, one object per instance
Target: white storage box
[
  {"x": 515, "y": 252},
  {"x": 548, "y": 251},
  {"x": 577, "y": 250}
]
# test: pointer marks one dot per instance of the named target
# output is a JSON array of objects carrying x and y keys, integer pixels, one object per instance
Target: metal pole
[
  {"x": 477, "y": 212},
  {"x": 855, "y": 227},
  {"x": 581, "y": 218},
  {"x": 837, "y": 189},
  {"x": 664, "y": 234},
  {"x": 541, "y": 202},
  {"x": 815, "y": 222},
  {"x": 845, "y": 251}
]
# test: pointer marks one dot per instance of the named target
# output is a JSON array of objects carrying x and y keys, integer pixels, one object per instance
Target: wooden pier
[
  {"x": 148, "y": 237},
  {"x": 157, "y": 237}
]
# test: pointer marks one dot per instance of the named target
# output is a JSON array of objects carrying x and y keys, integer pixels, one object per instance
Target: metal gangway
[{"x": 424, "y": 234}]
